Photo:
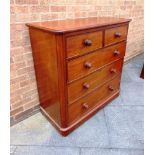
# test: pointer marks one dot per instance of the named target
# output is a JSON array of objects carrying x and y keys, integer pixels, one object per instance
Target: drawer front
[
  {"x": 115, "y": 35},
  {"x": 80, "y": 44},
  {"x": 87, "y": 64},
  {"x": 87, "y": 84},
  {"x": 85, "y": 104}
]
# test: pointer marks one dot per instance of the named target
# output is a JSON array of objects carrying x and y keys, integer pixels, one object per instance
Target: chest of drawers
[{"x": 78, "y": 65}]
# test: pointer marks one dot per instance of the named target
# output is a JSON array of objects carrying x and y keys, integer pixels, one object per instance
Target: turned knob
[
  {"x": 87, "y": 42},
  {"x": 111, "y": 88},
  {"x": 116, "y": 53},
  {"x": 85, "y": 106},
  {"x": 113, "y": 70},
  {"x": 88, "y": 65},
  {"x": 118, "y": 34},
  {"x": 86, "y": 85}
]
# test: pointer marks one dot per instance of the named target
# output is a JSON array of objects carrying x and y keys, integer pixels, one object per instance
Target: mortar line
[{"x": 107, "y": 148}]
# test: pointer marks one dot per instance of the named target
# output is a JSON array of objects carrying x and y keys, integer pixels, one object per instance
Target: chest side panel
[{"x": 46, "y": 69}]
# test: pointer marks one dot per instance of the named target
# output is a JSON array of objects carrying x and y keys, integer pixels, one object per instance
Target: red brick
[
  {"x": 49, "y": 16},
  {"x": 11, "y": 60},
  {"x": 92, "y": 14},
  {"x": 129, "y": 2},
  {"x": 16, "y": 111},
  {"x": 58, "y": 8},
  {"x": 80, "y": 14},
  {"x": 20, "y": 91},
  {"x": 13, "y": 67},
  {"x": 18, "y": 58},
  {"x": 31, "y": 104},
  {"x": 26, "y": 2},
  {"x": 25, "y": 33},
  {"x": 18, "y": 79},
  {"x": 24, "y": 70},
  {"x": 27, "y": 100},
  {"x": 14, "y": 87},
  {"x": 15, "y": 35},
  {"x": 122, "y": 7},
  {"x": 39, "y": 9},
  {"x": 15, "y": 43},
  {"x": 20, "y": 65},
  {"x": 12, "y": 75},
  {"x": 29, "y": 93},
  {"x": 12, "y": 9},
  {"x": 25, "y": 40},
  {"x": 16, "y": 105},
  {"x": 98, "y": 7},
  {"x": 12, "y": 18},
  {"x": 16, "y": 51},
  {"x": 18, "y": 27},
  {"x": 44, "y": 2},
  {"x": 27, "y": 17},
  {"x": 21, "y": 9},
  {"x": 27, "y": 49},
  {"x": 15, "y": 99},
  {"x": 30, "y": 62},
  {"x": 24, "y": 83},
  {"x": 31, "y": 75},
  {"x": 61, "y": 15},
  {"x": 28, "y": 56},
  {"x": 70, "y": 8}
]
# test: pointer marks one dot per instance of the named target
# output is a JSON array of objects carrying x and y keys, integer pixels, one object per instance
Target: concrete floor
[{"x": 115, "y": 130}]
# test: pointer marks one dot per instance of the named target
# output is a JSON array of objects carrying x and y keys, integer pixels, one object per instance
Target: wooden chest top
[{"x": 70, "y": 25}]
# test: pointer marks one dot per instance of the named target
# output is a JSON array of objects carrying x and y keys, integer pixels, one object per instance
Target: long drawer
[
  {"x": 89, "y": 63},
  {"x": 85, "y": 85},
  {"x": 85, "y": 104}
]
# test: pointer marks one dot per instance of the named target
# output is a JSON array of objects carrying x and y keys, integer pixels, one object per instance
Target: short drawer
[
  {"x": 89, "y": 83},
  {"x": 87, "y": 103},
  {"x": 115, "y": 35},
  {"x": 89, "y": 63},
  {"x": 81, "y": 44}
]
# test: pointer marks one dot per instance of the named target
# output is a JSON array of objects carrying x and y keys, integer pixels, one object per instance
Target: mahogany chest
[{"x": 78, "y": 65}]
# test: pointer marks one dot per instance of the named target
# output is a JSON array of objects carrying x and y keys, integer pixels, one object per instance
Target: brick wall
[{"x": 24, "y": 96}]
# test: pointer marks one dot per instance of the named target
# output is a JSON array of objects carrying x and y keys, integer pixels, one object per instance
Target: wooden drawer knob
[
  {"x": 113, "y": 70},
  {"x": 111, "y": 88},
  {"x": 87, "y": 42},
  {"x": 88, "y": 65},
  {"x": 118, "y": 34},
  {"x": 86, "y": 85},
  {"x": 116, "y": 53},
  {"x": 85, "y": 106}
]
